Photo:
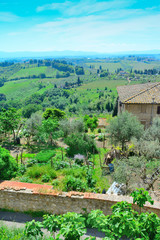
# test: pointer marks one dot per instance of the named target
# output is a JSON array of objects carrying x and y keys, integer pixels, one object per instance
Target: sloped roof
[{"x": 140, "y": 93}]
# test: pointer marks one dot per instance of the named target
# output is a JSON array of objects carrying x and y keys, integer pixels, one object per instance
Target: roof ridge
[{"x": 141, "y": 92}]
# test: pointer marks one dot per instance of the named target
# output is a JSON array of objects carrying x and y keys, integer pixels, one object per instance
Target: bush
[
  {"x": 55, "y": 182},
  {"x": 75, "y": 184},
  {"x": 37, "y": 171},
  {"x": 31, "y": 162},
  {"x": 8, "y": 165},
  {"x": 25, "y": 179},
  {"x": 99, "y": 130},
  {"x": 44, "y": 156},
  {"x": 45, "y": 178},
  {"x": 77, "y": 172},
  {"x": 80, "y": 143}
]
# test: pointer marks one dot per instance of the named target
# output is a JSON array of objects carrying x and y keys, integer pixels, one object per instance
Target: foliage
[
  {"x": 9, "y": 120},
  {"x": 127, "y": 169},
  {"x": 37, "y": 171},
  {"x": 30, "y": 109},
  {"x": 75, "y": 184},
  {"x": 91, "y": 123},
  {"x": 123, "y": 128},
  {"x": 51, "y": 222},
  {"x": 33, "y": 229},
  {"x": 48, "y": 131},
  {"x": 45, "y": 155},
  {"x": 149, "y": 143},
  {"x": 72, "y": 226},
  {"x": 25, "y": 179},
  {"x": 8, "y": 165},
  {"x": 69, "y": 127},
  {"x": 90, "y": 181},
  {"x": 123, "y": 223},
  {"x": 54, "y": 114},
  {"x": 140, "y": 196},
  {"x": 80, "y": 143},
  {"x": 45, "y": 178}
]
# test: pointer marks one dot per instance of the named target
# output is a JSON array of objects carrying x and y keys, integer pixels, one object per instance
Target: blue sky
[{"x": 86, "y": 25}]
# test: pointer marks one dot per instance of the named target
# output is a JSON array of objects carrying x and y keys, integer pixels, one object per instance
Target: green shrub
[
  {"x": 75, "y": 184},
  {"x": 25, "y": 179},
  {"x": 44, "y": 156},
  {"x": 80, "y": 143},
  {"x": 37, "y": 171},
  {"x": 99, "y": 130},
  {"x": 8, "y": 165},
  {"x": 55, "y": 182},
  {"x": 31, "y": 162},
  {"x": 45, "y": 178},
  {"x": 77, "y": 172}
]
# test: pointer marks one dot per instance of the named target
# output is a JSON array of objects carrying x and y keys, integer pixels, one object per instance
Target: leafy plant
[
  {"x": 75, "y": 184},
  {"x": 72, "y": 226},
  {"x": 33, "y": 229},
  {"x": 140, "y": 196},
  {"x": 45, "y": 178},
  {"x": 51, "y": 223},
  {"x": 8, "y": 165},
  {"x": 25, "y": 179}
]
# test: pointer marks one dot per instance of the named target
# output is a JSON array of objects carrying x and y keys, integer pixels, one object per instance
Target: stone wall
[
  {"x": 144, "y": 112},
  {"x": 33, "y": 197}
]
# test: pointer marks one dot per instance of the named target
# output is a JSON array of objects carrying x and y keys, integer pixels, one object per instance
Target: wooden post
[
  {"x": 100, "y": 160},
  {"x": 93, "y": 158},
  {"x": 21, "y": 156}
]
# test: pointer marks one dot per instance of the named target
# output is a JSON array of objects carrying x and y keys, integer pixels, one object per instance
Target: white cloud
[
  {"x": 72, "y": 8},
  {"x": 8, "y": 17}
]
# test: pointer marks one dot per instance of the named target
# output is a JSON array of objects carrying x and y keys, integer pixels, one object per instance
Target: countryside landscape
[{"x": 79, "y": 120}]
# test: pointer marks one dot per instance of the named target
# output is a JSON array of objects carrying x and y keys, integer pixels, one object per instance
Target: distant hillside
[{"x": 67, "y": 53}]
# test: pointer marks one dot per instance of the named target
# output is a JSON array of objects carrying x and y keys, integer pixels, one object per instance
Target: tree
[
  {"x": 9, "y": 121},
  {"x": 8, "y": 165},
  {"x": 2, "y": 97},
  {"x": 31, "y": 126},
  {"x": 54, "y": 114},
  {"x": 126, "y": 170},
  {"x": 149, "y": 143},
  {"x": 80, "y": 143},
  {"x": 68, "y": 127},
  {"x": 29, "y": 109},
  {"x": 91, "y": 123},
  {"x": 140, "y": 196},
  {"x": 48, "y": 130},
  {"x": 123, "y": 128}
]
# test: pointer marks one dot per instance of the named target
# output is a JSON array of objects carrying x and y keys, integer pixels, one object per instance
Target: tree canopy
[{"x": 123, "y": 128}]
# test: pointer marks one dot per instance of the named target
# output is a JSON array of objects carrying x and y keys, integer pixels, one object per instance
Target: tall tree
[
  {"x": 9, "y": 121},
  {"x": 123, "y": 128}
]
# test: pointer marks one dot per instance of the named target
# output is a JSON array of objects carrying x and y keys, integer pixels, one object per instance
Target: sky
[{"x": 87, "y": 25}]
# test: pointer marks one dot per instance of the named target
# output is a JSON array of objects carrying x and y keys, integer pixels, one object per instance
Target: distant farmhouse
[{"x": 143, "y": 100}]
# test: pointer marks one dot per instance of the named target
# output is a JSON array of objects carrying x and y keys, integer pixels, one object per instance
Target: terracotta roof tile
[{"x": 140, "y": 93}]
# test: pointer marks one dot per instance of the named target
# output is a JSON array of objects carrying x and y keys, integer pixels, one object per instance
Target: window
[{"x": 158, "y": 110}]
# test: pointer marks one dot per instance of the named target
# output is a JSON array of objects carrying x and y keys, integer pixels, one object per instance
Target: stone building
[{"x": 142, "y": 100}]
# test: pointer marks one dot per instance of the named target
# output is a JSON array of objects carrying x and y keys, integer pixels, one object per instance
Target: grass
[
  {"x": 103, "y": 182},
  {"x": 37, "y": 173},
  {"x": 101, "y": 84},
  {"x": 26, "y": 72},
  {"x": 19, "y": 89}
]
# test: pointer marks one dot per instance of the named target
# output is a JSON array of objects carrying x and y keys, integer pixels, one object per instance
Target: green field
[
  {"x": 124, "y": 64},
  {"x": 26, "y": 72},
  {"x": 101, "y": 84}
]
